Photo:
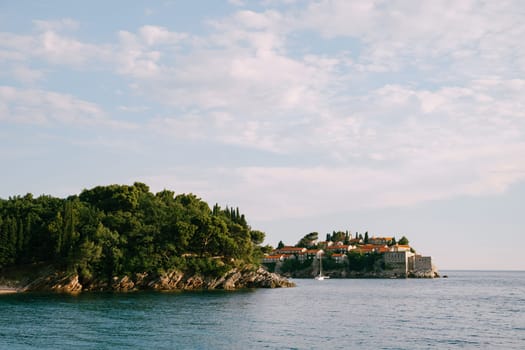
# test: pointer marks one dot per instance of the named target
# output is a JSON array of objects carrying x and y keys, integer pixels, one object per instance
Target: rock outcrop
[
  {"x": 432, "y": 273},
  {"x": 237, "y": 278},
  {"x": 59, "y": 282}
]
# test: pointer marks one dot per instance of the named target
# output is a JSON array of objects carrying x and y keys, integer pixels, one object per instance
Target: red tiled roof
[
  {"x": 273, "y": 256},
  {"x": 298, "y": 249},
  {"x": 336, "y": 247}
]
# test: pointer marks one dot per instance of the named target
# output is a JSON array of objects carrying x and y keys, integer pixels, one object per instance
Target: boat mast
[{"x": 320, "y": 264}]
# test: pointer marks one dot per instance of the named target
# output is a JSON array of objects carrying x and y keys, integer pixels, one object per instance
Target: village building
[
  {"x": 310, "y": 254},
  {"x": 422, "y": 263},
  {"x": 339, "y": 257},
  {"x": 325, "y": 244},
  {"x": 339, "y": 248},
  {"x": 370, "y": 248},
  {"x": 275, "y": 258},
  {"x": 289, "y": 250},
  {"x": 268, "y": 259},
  {"x": 355, "y": 241},
  {"x": 381, "y": 240},
  {"x": 398, "y": 262},
  {"x": 400, "y": 248}
]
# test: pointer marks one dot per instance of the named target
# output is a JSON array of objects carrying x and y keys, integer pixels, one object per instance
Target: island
[
  {"x": 126, "y": 238},
  {"x": 343, "y": 255}
]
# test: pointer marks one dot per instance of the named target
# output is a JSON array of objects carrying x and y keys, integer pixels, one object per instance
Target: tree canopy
[
  {"x": 307, "y": 240},
  {"x": 119, "y": 229},
  {"x": 403, "y": 241}
]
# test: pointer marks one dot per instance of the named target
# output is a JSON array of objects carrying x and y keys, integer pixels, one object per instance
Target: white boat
[{"x": 320, "y": 276}]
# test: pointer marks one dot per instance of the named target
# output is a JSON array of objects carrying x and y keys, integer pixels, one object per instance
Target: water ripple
[{"x": 470, "y": 310}]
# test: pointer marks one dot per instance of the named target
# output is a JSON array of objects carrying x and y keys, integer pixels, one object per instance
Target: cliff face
[{"x": 236, "y": 278}]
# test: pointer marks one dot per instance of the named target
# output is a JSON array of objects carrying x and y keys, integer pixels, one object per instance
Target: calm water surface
[{"x": 469, "y": 310}]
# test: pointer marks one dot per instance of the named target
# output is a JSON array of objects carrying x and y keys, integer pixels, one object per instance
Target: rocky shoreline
[
  {"x": 6, "y": 290},
  {"x": 237, "y": 278},
  {"x": 384, "y": 274}
]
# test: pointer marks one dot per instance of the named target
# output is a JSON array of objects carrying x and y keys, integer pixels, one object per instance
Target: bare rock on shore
[
  {"x": 236, "y": 278},
  {"x": 433, "y": 273},
  {"x": 263, "y": 279},
  {"x": 123, "y": 284},
  {"x": 168, "y": 281},
  {"x": 59, "y": 282}
]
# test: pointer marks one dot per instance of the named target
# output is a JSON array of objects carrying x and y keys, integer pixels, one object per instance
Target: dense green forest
[{"x": 118, "y": 229}]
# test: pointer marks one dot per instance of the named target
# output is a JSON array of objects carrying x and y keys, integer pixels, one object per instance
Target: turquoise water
[{"x": 469, "y": 310}]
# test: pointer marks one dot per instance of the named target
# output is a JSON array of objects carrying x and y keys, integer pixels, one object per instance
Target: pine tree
[
  {"x": 347, "y": 238},
  {"x": 20, "y": 237},
  {"x": 403, "y": 241},
  {"x": 11, "y": 248},
  {"x": 216, "y": 209}
]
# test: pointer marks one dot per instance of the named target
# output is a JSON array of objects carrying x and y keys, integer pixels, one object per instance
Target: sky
[{"x": 392, "y": 117}]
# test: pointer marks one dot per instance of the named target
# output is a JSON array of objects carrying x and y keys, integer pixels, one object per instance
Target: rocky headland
[{"x": 48, "y": 279}]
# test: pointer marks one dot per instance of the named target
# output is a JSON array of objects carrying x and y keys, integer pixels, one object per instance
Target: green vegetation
[
  {"x": 118, "y": 230},
  {"x": 403, "y": 241},
  {"x": 364, "y": 262},
  {"x": 292, "y": 265},
  {"x": 307, "y": 240},
  {"x": 356, "y": 262}
]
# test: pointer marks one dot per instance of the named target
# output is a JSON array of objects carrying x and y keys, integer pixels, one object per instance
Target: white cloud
[
  {"x": 236, "y": 2},
  {"x": 397, "y": 146},
  {"x": 59, "y": 49},
  {"x": 56, "y": 25},
  {"x": 26, "y": 75},
  {"x": 255, "y": 20},
  {"x": 17, "y": 47},
  {"x": 466, "y": 36},
  {"x": 52, "y": 47},
  {"x": 154, "y": 35},
  {"x": 277, "y": 2},
  {"x": 428, "y": 106},
  {"x": 294, "y": 192},
  {"x": 133, "y": 109},
  {"x": 394, "y": 145},
  {"x": 139, "y": 55},
  {"x": 34, "y": 106}
]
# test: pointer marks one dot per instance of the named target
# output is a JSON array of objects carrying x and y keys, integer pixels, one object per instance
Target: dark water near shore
[{"x": 469, "y": 310}]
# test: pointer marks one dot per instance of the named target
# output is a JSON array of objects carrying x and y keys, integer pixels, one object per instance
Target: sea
[{"x": 467, "y": 310}]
